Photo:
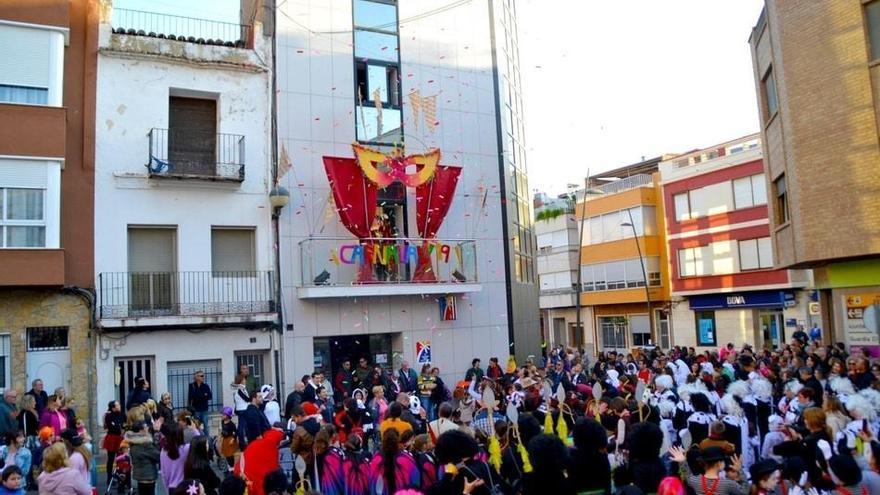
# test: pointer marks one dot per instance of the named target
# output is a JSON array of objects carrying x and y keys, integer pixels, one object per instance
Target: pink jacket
[{"x": 64, "y": 481}]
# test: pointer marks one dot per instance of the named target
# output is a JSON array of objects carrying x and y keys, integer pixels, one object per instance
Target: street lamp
[
  {"x": 580, "y": 286},
  {"x": 632, "y": 225}
]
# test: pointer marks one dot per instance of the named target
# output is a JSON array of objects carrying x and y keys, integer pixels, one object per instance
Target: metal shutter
[
  {"x": 192, "y": 135},
  {"x": 151, "y": 250},
  {"x": 232, "y": 250},
  {"x": 24, "y": 56}
]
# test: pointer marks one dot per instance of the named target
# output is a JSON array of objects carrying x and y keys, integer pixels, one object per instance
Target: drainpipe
[
  {"x": 88, "y": 296},
  {"x": 276, "y": 215}
]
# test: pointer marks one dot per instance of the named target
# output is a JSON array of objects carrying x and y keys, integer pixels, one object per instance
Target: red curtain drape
[
  {"x": 433, "y": 199},
  {"x": 355, "y": 199}
]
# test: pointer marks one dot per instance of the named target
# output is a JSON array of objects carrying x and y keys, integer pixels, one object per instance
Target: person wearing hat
[
  {"x": 80, "y": 457},
  {"x": 710, "y": 482},
  {"x": 271, "y": 408},
  {"x": 847, "y": 475},
  {"x": 228, "y": 437},
  {"x": 765, "y": 477},
  {"x": 795, "y": 479}
]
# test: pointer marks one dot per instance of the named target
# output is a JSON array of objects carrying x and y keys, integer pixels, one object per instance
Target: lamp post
[
  {"x": 644, "y": 272},
  {"x": 580, "y": 286}
]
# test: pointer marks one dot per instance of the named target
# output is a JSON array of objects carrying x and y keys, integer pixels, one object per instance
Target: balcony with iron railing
[
  {"x": 346, "y": 267},
  {"x": 132, "y": 299},
  {"x": 180, "y": 28},
  {"x": 189, "y": 154}
]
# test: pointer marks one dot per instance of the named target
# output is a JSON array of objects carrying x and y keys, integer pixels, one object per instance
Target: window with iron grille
[
  {"x": 5, "y": 358},
  {"x": 47, "y": 338}
]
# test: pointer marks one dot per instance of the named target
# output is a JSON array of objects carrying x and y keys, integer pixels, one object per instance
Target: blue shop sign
[{"x": 756, "y": 299}]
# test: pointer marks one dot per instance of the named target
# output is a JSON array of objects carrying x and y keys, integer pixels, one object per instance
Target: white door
[{"x": 48, "y": 357}]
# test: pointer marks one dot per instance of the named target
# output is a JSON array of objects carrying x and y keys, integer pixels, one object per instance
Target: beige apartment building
[{"x": 817, "y": 73}]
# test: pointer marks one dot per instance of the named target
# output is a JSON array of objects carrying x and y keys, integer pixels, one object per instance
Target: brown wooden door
[{"x": 192, "y": 136}]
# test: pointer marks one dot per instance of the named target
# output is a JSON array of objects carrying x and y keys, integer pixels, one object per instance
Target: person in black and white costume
[
  {"x": 737, "y": 427},
  {"x": 842, "y": 387},
  {"x": 788, "y": 405},
  {"x": 683, "y": 409},
  {"x": 665, "y": 400},
  {"x": 762, "y": 392},
  {"x": 863, "y": 415},
  {"x": 699, "y": 421}
]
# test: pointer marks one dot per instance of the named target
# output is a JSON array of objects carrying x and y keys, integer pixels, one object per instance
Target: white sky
[{"x": 608, "y": 81}]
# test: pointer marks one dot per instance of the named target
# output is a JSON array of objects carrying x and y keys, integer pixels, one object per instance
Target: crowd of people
[{"x": 799, "y": 420}]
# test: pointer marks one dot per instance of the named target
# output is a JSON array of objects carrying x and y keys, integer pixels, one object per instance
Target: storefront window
[{"x": 706, "y": 328}]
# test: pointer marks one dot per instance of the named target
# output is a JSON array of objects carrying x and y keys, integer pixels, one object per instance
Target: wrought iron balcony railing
[
  {"x": 340, "y": 261},
  {"x": 185, "y": 153},
  {"x": 180, "y": 28},
  {"x": 154, "y": 294}
]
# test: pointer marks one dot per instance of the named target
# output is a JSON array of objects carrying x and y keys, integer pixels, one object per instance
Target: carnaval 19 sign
[{"x": 382, "y": 253}]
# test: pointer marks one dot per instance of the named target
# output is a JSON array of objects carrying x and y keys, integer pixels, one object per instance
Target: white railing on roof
[
  {"x": 631, "y": 182},
  {"x": 726, "y": 149}
]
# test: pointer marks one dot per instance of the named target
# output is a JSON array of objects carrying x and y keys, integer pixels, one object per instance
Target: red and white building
[{"x": 724, "y": 286}]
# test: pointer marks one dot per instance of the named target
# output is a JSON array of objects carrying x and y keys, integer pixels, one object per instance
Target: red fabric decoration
[
  {"x": 433, "y": 200},
  {"x": 355, "y": 199},
  {"x": 259, "y": 458}
]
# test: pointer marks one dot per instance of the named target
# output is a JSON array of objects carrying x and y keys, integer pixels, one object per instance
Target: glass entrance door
[{"x": 772, "y": 329}]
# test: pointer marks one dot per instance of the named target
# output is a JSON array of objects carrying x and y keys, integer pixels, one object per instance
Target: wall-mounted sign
[
  {"x": 863, "y": 322},
  {"x": 423, "y": 351},
  {"x": 381, "y": 358},
  {"x": 447, "y": 308},
  {"x": 814, "y": 309}
]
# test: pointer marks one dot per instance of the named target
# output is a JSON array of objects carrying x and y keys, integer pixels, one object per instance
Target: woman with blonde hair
[
  {"x": 53, "y": 417},
  {"x": 28, "y": 419},
  {"x": 810, "y": 447},
  {"x": 837, "y": 418},
  {"x": 165, "y": 408},
  {"x": 58, "y": 478}
]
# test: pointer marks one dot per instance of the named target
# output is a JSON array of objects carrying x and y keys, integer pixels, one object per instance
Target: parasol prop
[{"x": 640, "y": 398}]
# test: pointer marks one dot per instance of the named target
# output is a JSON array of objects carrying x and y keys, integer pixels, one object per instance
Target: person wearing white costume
[
  {"x": 664, "y": 399},
  {"x": 737, "y": 427},
  {"x": 788, "y": 404}
]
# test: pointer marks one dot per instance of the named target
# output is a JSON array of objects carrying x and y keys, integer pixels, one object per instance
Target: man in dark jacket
[
  {"x": 40, "y": 395},
  {"x": 198, "y": 398},
  {"x": 310, "y": 393},
  {"x": 474, "y": 371},
  {"x": 255, "y": 422},
  {"x": 810, "y": 381},
  {"x": 8, "y": 412},
  {"x": 294, "y": 399},
  {"x": 409, "y": 381},
  {"x": 342, "y": 382}
]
